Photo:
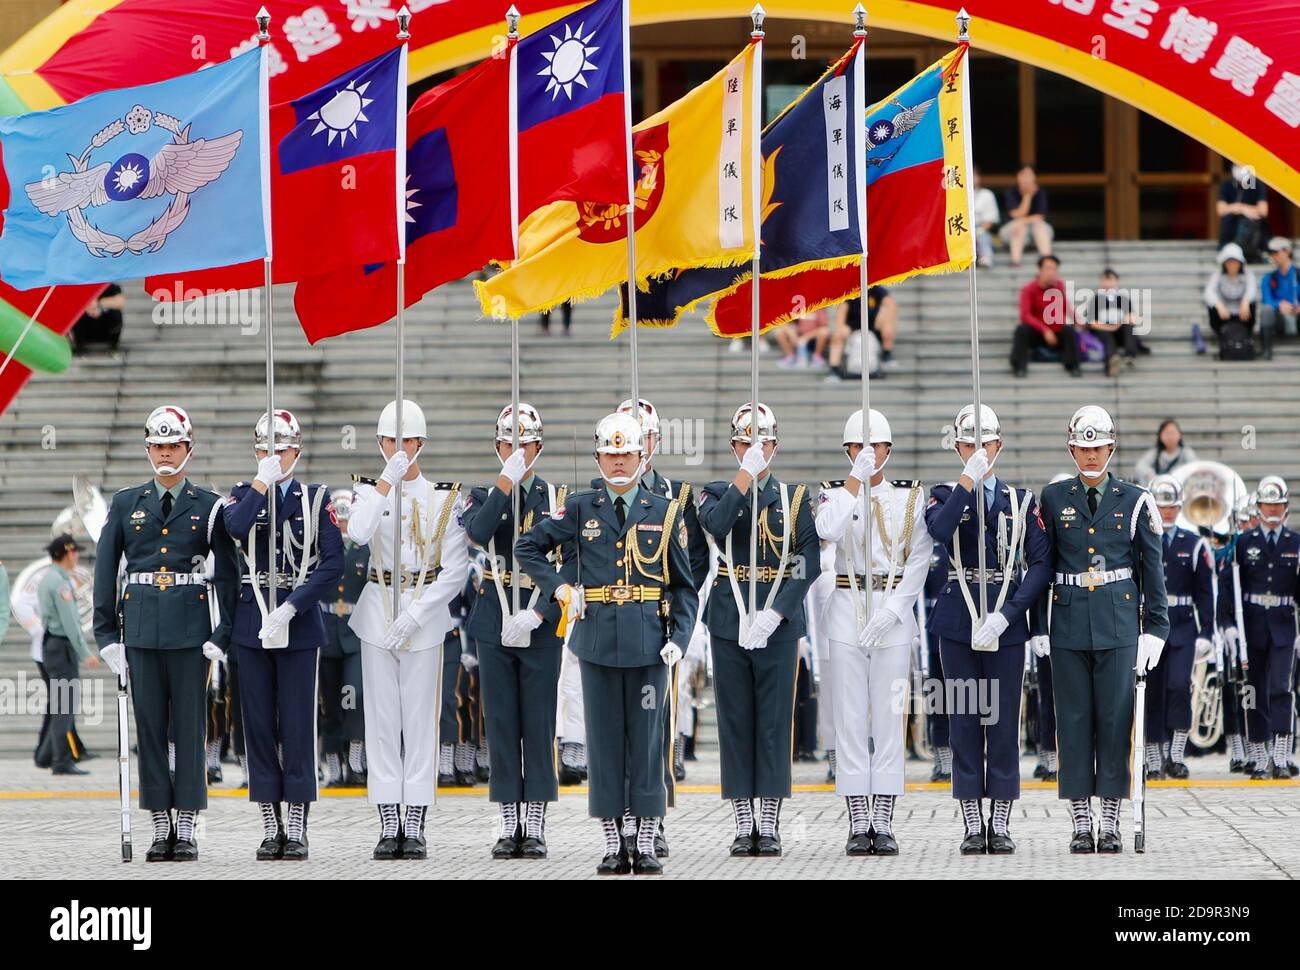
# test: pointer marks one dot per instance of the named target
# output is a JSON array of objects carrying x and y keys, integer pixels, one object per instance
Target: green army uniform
[
  {"x": 165, "y": 621},
  {"x": 63, "y": 652}
]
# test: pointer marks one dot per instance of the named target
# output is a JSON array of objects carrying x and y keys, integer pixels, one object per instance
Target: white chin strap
[
  {"x": 414, "y": 458},
  {"x": 1272, "y": 520},
  {"x": 776, "y": 445},
  {"x": 527, "y": 468},
  {"x": 166, "y": 471},
  {"x": 621, "y": 480},
  {"x": 1096, "y": 474}
]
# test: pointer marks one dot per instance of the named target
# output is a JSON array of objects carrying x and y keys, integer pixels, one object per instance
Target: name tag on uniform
[
  {"x": 1069, "y": 514},
  {"x": 651, "y": 528}
]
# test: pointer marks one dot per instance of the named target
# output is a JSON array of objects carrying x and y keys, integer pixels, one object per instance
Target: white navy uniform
[
  {"x": 869, "y": 687},
  {"x": 403, "y": 693}
]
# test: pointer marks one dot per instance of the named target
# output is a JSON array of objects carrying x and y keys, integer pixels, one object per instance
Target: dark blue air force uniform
[{"x": 1189, "y": 589}]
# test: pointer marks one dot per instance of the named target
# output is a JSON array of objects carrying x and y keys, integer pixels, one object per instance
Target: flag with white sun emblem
[
  {"x": 335, "y": 171},
  {"x": 164, "y": 177}
]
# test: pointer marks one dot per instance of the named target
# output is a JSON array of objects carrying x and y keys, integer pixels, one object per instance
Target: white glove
[
  {"x": 864, "y": 466},
  {"x": 1149, "y": 649},
  {"x": 396, "y": 468},
  {"x": 275, "y": 622},
  {"x": 515, "y": 631},
  {"x": 468, "y": 661},
  {"x": 1205, "y": 650},
  {"x": 573, "y": 599},
  {"x": 762, "y": 627},
  {"x": 515, "y": 467},
  {"x": 670, "y": 654},
  {"x": 877, "y": 627},
  {"x": 1232, "y": 637},
  {"x": 994, "y": 625},
  {"x": 977, "y": 466},
  {"x": 269, "y": 471},
  {"x": 754, "y": 462},
  {"x": 1042, "y": 646},
  {"x": 400, "y": 631},
  {"x": 115, "y": 656},
  {"x": 213, "y": 652},
  {"x": 699, "y": 643}
]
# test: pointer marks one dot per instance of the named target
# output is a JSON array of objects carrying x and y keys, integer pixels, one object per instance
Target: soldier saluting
[
  {"x": 165, "y": 529},
  {"x": 1106, "y": 562}
]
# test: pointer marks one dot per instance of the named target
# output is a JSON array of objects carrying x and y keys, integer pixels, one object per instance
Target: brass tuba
[{"x": 1212, "y": 494}]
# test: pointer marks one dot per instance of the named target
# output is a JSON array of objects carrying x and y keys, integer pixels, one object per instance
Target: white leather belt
[
  {"x": 166, "y": 580},
  {"x": 1180, "y": 601},
  {"x": 1094, "y": 579},
  {"x": 1268, "y": 600}
]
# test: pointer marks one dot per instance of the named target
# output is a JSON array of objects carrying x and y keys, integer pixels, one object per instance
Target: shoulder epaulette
[
  {"x": 362, "y": 480},
  {"x": 905, "y": 483},
  {"x": 833, "y": 483},
  {"x": 444, "y": 486}
]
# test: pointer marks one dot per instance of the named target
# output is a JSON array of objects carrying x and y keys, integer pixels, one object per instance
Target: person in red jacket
[{"x": 1045, "y": 319}]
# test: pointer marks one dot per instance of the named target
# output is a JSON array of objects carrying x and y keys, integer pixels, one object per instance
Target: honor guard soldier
[
  {"x": 342, "y": 721},
  {"x": 755, "y": 658},
  {"x": 1189, "y": 592},
  {"x": 1105, "y": 537},
  {"x": 513, "y": 629},
  {"x": 871, "y": 645},
  {"x": 1269, "y": 557},
  {"x": 459, "y": 710},
  {"x": 279, "y": 630},
  {"x": 1047, "y": 768},
  {"x": 63, "y": 651},
  {"x": 629, "y": 590},
  {"x": 937, "y": 718},
  {"x": 160, "y": 631},
  {"x": 401, "y": 655},
  {"x": 986, "y": 660}
]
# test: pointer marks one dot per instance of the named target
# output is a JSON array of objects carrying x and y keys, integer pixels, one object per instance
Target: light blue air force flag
[{"x": 161, "y": 178}]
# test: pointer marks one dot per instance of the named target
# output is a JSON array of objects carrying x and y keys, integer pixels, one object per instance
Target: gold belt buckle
[
  {"x": 621, "y": 594},
  {"x": 163, "y": 581},
  {"x": 1093, "y": 579}
]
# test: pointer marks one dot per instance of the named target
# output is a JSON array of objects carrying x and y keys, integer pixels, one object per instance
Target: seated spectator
[
  {"x": 803, "y": 342},
  {"x": 1242, "y": 208},
  {"x": 1026, "y": 207},
  {"x": 882, "y": 320},
  {"x": 1169, "y": 453},
  {"x": 1046, "y": 320},
  {"x": 1111, "y": 320},
  {"x": 1279, "y": 295},
  {"x": 102, "y": 321},
  {"x": 986, "y": 217},
  {"x": 1231, "y": 290}
]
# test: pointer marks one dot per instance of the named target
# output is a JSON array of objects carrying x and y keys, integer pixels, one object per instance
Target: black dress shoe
[
  {"x": 661, "y": 842},
  {"x": 271, "y": 848},
  {"x": 214, "y": 775},
  {"x": 68, "y": 769},
  {"x": 1155, "y": 774},
  {"x": 294, "y": 850},
  {"x": 858, "y": 845},
  {"x": 744, "y": 845},
  {"x": 1176, "y": 769},
  {"x": 42, "y": 763},
  {"x": 1040, "y": 771},
  {"x": 185, "y": 850},
  {"x": 883, "y": 843},
  {"x": 617, "y": 863},
  {"x": 1082, "y": 843},
  {"x": 465, "y": 779},
  {"x": 1292, "y": 769},
  {"x": 570, "y": 775},
  {"x": 1280, "y": 771},
  {"x": 1109, "y": 843},
  {"x": 532, "y": 848},
  {"x": 483, "y": 773},
  {"x": 1248, "y": 767},
  {"x": 688, "y": 748},
  {"x": 1236, "y": 766},
  {"x": 507, "y": 847},
  {"x": 647, "y": 865},
  {"x": 1001, "y": 844},
  {"x": 769, "y": 846},
  {"x": 414, "y": 846},
  {"x": 974, "y": 844},
  {"x": 1049, "y": 776},
  {"x": 1259, "y": 774},
  {"x": 446, "y": 781},
  {"x": 936, "y": 774},
  {"x": 388, "y": 848},
  {"x": 87, "y": 755},
  {"x": 161, "y": 850},
  {"x": 679, "y": 771}
]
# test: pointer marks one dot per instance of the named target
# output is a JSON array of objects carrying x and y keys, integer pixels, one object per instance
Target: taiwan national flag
[
  {"x": 572, "y": 119},
  {"x": 335, "y": 174},
  {"x": 457, "y": 205}
]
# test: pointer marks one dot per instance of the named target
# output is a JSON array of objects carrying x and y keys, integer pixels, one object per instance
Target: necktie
[
  {"x": 167, "y": 504},
  {"x": 1168, "y": 542},
  {"x": 620, "y": 509},
  {"x": 1272, "y": 540},
  {"x": 1092, "y": 501}
]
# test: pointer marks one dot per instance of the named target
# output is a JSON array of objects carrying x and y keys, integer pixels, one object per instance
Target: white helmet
[
  {"x": 619, "y": 434},
  {"x": 168, "y": 425},
  {"x": 1272, "y": 489},
  {"x": 1091, "y": 427},
  {"x": 530, "y": 424},
  {"x": 742, "y": 426},
  {"x": 990, "y": 427},
  {"x": 880, "y": 430},
  {"x": 413, "y": 425},
  {"x": 342, "y": 500},
  {"x": 1166, "y": 491},
  {"x": 649, "y": 416},
  {"x": 287, "y": 432}
]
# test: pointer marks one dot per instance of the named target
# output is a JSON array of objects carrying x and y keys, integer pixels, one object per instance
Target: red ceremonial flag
[
  {"x": 457, "y": 208},
  {"x": 334, "y": 175}
]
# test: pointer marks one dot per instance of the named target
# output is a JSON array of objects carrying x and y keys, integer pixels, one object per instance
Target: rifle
[{"x": 123, "y": 750}]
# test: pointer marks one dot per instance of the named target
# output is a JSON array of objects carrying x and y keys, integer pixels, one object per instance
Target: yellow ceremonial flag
[{"x": 693, "y": 206}]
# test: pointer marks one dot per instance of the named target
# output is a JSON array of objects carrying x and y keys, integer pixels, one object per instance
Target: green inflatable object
[{"x": 42, "y": 349}]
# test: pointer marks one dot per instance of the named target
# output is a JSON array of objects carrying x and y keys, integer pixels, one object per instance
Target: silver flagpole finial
[
  {"x": 860, "y": 20},
  {"x": 759, "y": 15},
  {"x": 963, "y": 26},
  {"x": 263, "y": 25},
  {"x": 512, "y": 20},
  {"x": 403, "y": 24}
]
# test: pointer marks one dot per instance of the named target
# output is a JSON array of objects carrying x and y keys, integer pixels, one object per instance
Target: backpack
[{"x": 1235, "y": 342}]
